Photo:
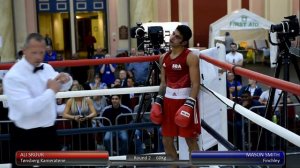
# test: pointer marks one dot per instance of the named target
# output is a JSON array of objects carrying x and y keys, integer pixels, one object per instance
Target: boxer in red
[{"x": 175, "y": 107}]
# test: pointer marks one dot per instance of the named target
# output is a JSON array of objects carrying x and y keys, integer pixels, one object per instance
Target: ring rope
[
  {"x": 85, "y": 62},
  {"x": 217, "y": 136},
  {"x": 265, "y": 79},
  {"x": 102, "y": 92},
  {"x": 259, "y": 120},
  {"x": 233, "y": 68}
]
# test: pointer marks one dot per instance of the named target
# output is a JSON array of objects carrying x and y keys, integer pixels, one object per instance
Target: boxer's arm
[
  {"x": 162, "y": 86},
  {"x": 193, "y": 63}
]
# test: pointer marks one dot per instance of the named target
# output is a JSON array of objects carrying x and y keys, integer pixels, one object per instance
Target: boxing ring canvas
[
  {"x": 244, "y": 26},
  {"x": 212, "y": 111}
]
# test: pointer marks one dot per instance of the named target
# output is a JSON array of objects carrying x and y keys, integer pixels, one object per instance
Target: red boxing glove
[
  {"x": 183, "y": 116},
  {"x": 156, "y": 115}
]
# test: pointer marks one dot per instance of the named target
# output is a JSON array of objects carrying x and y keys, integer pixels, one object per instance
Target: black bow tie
[{"x": 38, "y": 68}]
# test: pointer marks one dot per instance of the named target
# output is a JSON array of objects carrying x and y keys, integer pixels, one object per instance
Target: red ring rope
[
  {"x": 271, "y": 81},
  {"x": 265, "y": 79},
  {"x": 84, "y": 62}
]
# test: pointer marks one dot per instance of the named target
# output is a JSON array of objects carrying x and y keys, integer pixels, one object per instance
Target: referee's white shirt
[{"x": 30, "y": 103}]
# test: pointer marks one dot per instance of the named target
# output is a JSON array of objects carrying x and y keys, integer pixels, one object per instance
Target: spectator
[
  {"x": 263, "y": 99},
  {"x": 132, "y": 97},
  {"x": 139, "y": 71},
  {"x": 50, "y": 55},
  {"x": 97, "y": 84},
  {"x": 253, "y": 88},
  {"x": 112, "y": 112},
  {"x": 81, "y": 111},
  {"x": 48, "y": 40},
  {"x": 100, "y": 102},
  {"x": 228, "y": 41},
  {"x": 107, "y": 72},
  {"x": 247, "y": 101},
  {"x": 133, "y": 52},
  {"x": 60, "y": 106},
  {"x": 123, "y": 78},
  {"x": 231, "y": 83},
  {"x": 89, "y": 42},
  {"x": 117, "y": 83},
  {"x": 235, "y": 58},
  {"x": 100, "y": 54}
]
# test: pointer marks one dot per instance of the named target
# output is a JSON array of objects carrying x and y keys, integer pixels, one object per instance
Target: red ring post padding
[{"x": 265, "y": 79}]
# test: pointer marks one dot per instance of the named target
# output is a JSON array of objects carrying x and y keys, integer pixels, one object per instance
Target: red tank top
[{"x": 177, "y": 71}]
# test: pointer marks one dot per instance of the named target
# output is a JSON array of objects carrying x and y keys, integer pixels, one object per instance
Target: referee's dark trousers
[{"x": 36, "y": 139}]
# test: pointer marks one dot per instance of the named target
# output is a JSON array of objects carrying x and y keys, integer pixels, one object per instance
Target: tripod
[
  {"x": 285, "y": 58},
  {"x": 145, "y": 100}
]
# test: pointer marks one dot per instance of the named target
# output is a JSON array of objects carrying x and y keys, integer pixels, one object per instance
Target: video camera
[
  {"x": 289, "y": 27},
  {"x": 149, "y": 41}
]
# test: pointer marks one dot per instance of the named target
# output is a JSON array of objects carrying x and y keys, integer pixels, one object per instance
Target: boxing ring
[{"x": 205, "y": 92}]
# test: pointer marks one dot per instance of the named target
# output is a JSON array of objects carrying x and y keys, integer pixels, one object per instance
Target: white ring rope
[
  {"x": 259, "y": 120},
  {"x": 282, "y": 132},
  {"x": 116, "y": 91}
]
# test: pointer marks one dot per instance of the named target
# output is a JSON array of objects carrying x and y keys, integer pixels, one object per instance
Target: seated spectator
[
  {"x": 263, "y": 99},
  {"x": 97, "y": 84},
  {"x": 50, "y": 55},
  {"x": 100, "y": 102},
  {"x": 132, "y": 97},
  {"x": 75, "y": 84},
  {"x": 60, "y": 107},
  {"x": 117, "y": 83},
  {"x": 253, "y": 88},
  {"x": 233, "y": 86},
  {"x": 112, "y": 112},
  {"x": 246, "y": 101},
  {"x": 81, "y": 111},
  {"x": 123, "y": 78}
]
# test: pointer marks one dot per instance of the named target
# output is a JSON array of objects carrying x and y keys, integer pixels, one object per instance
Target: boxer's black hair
[{"x": 185, "y": 31}]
